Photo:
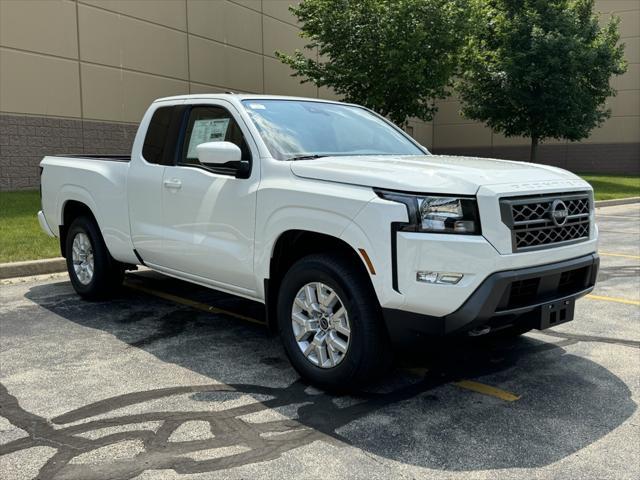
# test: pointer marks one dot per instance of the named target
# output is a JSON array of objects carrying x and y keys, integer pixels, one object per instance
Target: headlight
[{"x": 436, "y": 214}]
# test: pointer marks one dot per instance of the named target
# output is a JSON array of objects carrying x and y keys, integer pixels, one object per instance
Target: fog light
[
  {"x": 449, "y": 278},
  {"x": 427, "y": 277},
  {"x": 443, "y": 278}
]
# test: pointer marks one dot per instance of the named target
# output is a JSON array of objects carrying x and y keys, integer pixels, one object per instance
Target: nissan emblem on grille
[
  {"x": 559, "y": 212},
  {"x": 543, "y": 221}
]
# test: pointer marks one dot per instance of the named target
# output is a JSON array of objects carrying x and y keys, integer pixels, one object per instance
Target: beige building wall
[
  {"x": 107, "y": 59},
  {"x": 77, "y": 75}
]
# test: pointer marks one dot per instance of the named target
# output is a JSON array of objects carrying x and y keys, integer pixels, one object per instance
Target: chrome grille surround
[{"x": 546, "y": 221}]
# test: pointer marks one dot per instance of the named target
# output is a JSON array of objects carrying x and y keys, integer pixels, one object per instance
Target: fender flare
[
  {"x": 294, "y": 218},
  {"x": 78, "y": 194}
]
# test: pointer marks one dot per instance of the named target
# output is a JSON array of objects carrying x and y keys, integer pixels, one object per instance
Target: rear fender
[
  {"x": 79, "y": 194},
  {"x": 117, "y": 241}
]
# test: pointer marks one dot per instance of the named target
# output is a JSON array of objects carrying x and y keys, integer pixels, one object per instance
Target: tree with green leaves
[
  {"x": 393, "y": 56},
  {"x": 539, "y": 68}
]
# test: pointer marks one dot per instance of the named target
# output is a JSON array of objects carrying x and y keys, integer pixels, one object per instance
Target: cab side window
[
  {"x": 212, "y": 124},
  {"x": 161, "y": 139},
  {"x": 154, "y": 141}
]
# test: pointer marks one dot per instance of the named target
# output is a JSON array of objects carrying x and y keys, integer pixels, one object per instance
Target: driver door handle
[{"x": 173, "y": 183}]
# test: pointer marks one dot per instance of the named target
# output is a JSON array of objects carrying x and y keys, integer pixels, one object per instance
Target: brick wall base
[
  {"x": 25, "y": 139},
  {"x": 603, "y": 158}
]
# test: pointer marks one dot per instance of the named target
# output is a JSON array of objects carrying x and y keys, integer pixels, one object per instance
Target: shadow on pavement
[{"x": 567, "y": 402}]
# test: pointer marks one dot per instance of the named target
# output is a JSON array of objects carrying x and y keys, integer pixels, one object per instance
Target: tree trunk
[{"x": 534, "y": 149}]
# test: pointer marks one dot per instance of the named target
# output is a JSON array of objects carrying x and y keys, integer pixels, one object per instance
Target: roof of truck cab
[{"x": 240, "y": 96}]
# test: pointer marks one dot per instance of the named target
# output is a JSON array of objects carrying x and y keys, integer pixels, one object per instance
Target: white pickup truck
[{"x": 353, "y": 235}]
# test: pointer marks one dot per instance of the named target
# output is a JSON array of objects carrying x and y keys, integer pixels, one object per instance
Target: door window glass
[{"x": 211, "y": 124}]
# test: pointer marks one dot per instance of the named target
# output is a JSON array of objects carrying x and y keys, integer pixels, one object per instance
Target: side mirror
[{"x": 218, "y": 153}]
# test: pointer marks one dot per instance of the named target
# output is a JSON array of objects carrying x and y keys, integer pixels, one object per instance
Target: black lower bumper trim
[{"x": 496, "y": 302}]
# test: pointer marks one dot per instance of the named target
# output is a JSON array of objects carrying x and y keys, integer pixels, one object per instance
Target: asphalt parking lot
[{"x": 173, "y": 381}]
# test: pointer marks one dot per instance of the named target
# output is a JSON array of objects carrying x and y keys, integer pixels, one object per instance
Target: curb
[
  {"x": 32, "y": 267},
  {"x": 617, "y": 201}
]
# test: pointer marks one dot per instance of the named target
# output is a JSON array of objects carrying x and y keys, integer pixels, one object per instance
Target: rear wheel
[
  {"x": 93, "y": 272},
  {"x": 330, "y": 323}
]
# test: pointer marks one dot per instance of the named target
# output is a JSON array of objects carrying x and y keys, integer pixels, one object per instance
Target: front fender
[
  {"x": 371, "y": 230},
  {"x": 294, "y": 218}
]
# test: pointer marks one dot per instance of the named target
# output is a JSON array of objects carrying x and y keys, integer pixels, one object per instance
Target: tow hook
[{"x": 476, "y": 332}]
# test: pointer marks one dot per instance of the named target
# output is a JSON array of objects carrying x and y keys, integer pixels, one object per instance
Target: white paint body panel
[
  {"x": 101, "y": 186},
  {"x": 209, "y": 221},
  {"x": 475, "y": 257},
  {"x": 220, "y": 231},
  {"x": 144, "y": 196},
  {"x": 439, "y": 174}
]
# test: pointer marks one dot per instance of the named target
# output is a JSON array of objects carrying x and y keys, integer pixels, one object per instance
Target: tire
[
  {"x": 105, "y": 277},
  {"x": 368, "y": 352}
]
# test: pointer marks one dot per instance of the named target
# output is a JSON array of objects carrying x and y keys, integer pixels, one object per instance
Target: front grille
[{"x": 532, "y": 223}]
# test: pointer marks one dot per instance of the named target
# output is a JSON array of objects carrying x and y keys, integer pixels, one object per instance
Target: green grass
[
  {"x": 608, "y": 187},
  {"x": 21, "y": 237}
]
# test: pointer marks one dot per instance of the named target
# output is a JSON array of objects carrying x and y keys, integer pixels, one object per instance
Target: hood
[{"x": 425, "y": 173}]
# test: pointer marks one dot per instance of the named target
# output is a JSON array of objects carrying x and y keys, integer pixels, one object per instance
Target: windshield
[{"x": 293, "y": 128}]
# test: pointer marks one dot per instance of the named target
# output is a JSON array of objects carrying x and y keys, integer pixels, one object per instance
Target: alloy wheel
[
  {"x": 320, "y": 323},
  {"x": 82, "y": 258}
]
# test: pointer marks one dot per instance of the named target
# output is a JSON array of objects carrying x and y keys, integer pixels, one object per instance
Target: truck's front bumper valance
[{"x": 503, "y": 298}]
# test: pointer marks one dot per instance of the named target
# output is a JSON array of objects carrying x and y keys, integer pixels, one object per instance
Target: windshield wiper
[{"x": 306, "y": 157}]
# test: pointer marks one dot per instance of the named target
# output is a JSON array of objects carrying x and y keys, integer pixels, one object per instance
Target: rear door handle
[{"x": 174, "y": 183}]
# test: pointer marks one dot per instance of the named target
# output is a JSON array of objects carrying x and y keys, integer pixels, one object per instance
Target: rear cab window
[{"x": 162, "y": 135}]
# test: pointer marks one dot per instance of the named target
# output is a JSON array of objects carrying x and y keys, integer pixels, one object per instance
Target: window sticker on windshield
[
  {"x": 257, "y": 106},
  {"x": 207, "y": 131}
]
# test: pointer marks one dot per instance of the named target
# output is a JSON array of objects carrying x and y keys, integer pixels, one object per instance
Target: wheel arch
[
  {"x": 290, "y": 246},
  {"x": 70, "y": 210}
]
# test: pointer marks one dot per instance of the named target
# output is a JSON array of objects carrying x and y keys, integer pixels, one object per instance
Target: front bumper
[{"x": 502, "y": 299}]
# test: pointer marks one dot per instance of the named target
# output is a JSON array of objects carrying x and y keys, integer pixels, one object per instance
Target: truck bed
[
  {"x": 97, "y": 181},
  {"x": 97, "y": 156}
]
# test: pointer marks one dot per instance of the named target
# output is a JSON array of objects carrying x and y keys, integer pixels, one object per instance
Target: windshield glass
[{"x": 293, "y": 128}]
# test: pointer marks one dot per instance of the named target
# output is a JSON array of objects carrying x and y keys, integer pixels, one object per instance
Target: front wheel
[
  {"x": 93, "y": 272},
  {"x": 330, "y": 323}
]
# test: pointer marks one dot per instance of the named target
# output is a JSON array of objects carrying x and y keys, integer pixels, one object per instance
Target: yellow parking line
[
  {"x": 613, "y": 299},
  {"x": 192, "y": 303},
  {"x": 606, "y": 254},
  {"x": 469, "y": 385},
  {"x": 487, "y": 390}
]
